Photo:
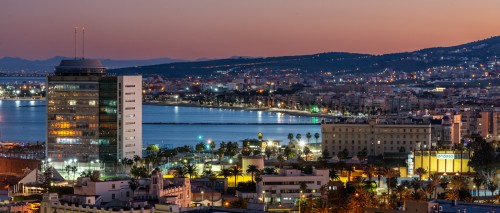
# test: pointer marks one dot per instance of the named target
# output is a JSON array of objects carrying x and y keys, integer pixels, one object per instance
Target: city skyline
[{"x": 220, "y": 29}]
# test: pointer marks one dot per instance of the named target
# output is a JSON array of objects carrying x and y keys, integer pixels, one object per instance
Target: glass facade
[
  {"x": 72, "y": 117},
  {"x": 108, "y": 123}
]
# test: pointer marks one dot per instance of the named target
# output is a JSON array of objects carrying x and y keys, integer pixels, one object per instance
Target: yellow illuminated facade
[{"x": 443, "y": 162}]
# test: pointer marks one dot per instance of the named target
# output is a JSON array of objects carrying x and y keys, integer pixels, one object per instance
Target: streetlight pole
[{"x": 202, "y": 197}]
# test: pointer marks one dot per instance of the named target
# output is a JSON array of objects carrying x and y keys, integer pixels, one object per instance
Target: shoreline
[{"x": 289, "y": 112}]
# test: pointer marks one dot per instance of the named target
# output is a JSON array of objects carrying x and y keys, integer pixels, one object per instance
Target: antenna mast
[
  {"x": 75, "y": 40},
  {"x": 83, "y": 43}
]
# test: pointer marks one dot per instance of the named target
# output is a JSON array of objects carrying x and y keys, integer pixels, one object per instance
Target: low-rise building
[{"x": 285, "y": 187}]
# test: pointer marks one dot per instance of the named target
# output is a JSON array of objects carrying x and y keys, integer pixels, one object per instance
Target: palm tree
[
  {"x": 212, "y": 178},
  {"x": 67, "y": 168},
  {"x": 308, "y": 136},
  {"x": 316, "y": 135},
  {"x": 290, "y": 137},
  {"x": 235, "y": 171},
  {"x": 333, "y": 174},
  {"x": 389, "y": 173},
  {"x": 225, "y": 173},
  {"x": 434, "y": 182},
  {"x": 74, "y": 169},
  {"x": 492, "y": 187},
  {"x": 137, "y": 159},
  {"x": 421, "y": 172},
  {"x": 133, "y": 184},
  {"x": 252, "y": 169},
  {"x": 307, "y": 151},
  {"x": 298, "y": 137},
  {"x": 369, "y": 170},
  {"x": 199, "y": 148},
  {"x": 191, "y": 170},
  {"x": 479, "y": 180}
]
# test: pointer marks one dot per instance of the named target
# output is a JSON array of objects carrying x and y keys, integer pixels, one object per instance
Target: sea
[{"x": 169, "y": 126}]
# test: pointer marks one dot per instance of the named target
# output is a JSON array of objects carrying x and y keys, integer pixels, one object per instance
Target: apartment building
[
  {"x": 376, "y": 135},
  {"x": 284, "y": 187}
]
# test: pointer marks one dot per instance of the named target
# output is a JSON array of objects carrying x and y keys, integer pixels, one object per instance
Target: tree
[
  {"x": 137, "y": 159},
  {"x": 492, "y": 187},
  {"x": 478, "y": 181},
  {"x": 325, "y": 154},
  {"x": 362, "y": 155},
  {"x": 420, "y": 172},
  {"x": 252, "y": 169},
  {"x": 199, "y": 148},
  {"x": 303, "y": 187},
  {"x": 307, "y": 151},
  {"x": 225, "y": 173},
  {"x": 191, "y": 170},
  {"x": 389, "y": 173},
  {"x": 235, "y": 171},
  {"x": 138, "y": 172},
  {"x": 298, "y": 137},
  {"x": 333, "y": 174},
  {"x": 308, "y": 136},
  {"x": 369, "y": 170},
  {"x": 343, "y": 154},
  {"x": 280, "y": 159},
  {"x": 179, "y": 171},
  {"x": 74, "y": 169},
  {"x": 288, "y": 152},
  {"x": 485, "y": 158},
  {"x": 133, "y": 184},
  {"x": 290, "y": 137},
  {"x": 268, "y": 152},
  {"x": 434, "y": 182},
  {"x": 316, "y": 136}
]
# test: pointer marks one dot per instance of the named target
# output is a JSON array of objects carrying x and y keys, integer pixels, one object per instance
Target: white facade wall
[
  {"x": 285, "y": 187},
  {"x": 130, "y": 116},
  {"x": 108, "y": 190}
]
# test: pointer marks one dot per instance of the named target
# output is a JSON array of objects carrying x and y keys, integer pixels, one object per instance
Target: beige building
[{"x": 376, "y": 135}]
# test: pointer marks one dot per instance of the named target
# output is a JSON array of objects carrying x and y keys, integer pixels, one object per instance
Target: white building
[
  {"x": 285, "y": 186},
  {"x": 130, "y": 116}
]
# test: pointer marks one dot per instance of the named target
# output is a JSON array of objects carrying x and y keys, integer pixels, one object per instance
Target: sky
[{"x": 192, "y": 29}]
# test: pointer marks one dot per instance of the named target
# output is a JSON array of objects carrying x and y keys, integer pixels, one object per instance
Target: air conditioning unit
[{"x": 440, "y": 208}]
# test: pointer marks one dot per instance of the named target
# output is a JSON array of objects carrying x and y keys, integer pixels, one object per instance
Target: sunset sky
[{"x": 191, "y": 29}]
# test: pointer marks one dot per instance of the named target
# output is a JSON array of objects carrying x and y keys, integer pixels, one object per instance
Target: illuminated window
[
  {"x": 72, "y": 102},
  {"x": 92, "y": 103}
]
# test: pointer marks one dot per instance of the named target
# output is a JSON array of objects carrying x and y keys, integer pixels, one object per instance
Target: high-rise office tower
[{"x": 92, "y": 116}]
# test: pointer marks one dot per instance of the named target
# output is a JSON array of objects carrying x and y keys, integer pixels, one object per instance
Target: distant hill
[
  {"x": 17, "y": 64},
  {"x": 333, "y": 61}
]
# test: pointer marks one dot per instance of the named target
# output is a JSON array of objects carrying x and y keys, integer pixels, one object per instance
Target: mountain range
[
  {"x": 18, "y": 64},
  {"x": 336, "y": 62}
]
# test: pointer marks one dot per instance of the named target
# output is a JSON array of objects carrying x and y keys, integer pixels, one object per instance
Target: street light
[{"x": 202, "y": 196}]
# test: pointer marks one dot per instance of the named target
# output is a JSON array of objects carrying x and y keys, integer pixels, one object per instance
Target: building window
[
  {"x": 130, "y": 130},
  {"x": 128, "y": 194},
  {"x": 130, "y": 138},
  {"x": 130, "y": 101},
  {"x": 112, "y": 196},
  {"x": 129, "y": 123},
  {"x": 72, "y": 102},
  {"x": 113, "y": 186},
  {"x": 92, "y": 103},
  {"x": 130, "y": 93},
  {"x": 129, "y": 85},
  {"x": 129, "y": 108}
]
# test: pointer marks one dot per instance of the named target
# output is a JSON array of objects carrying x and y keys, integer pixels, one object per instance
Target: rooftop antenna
[
  {"x": 76, "y": 29},
  {"x": 83, "y": 42}
]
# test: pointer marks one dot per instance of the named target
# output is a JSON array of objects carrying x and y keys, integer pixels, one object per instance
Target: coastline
[{"x": 285, "y": 111}]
